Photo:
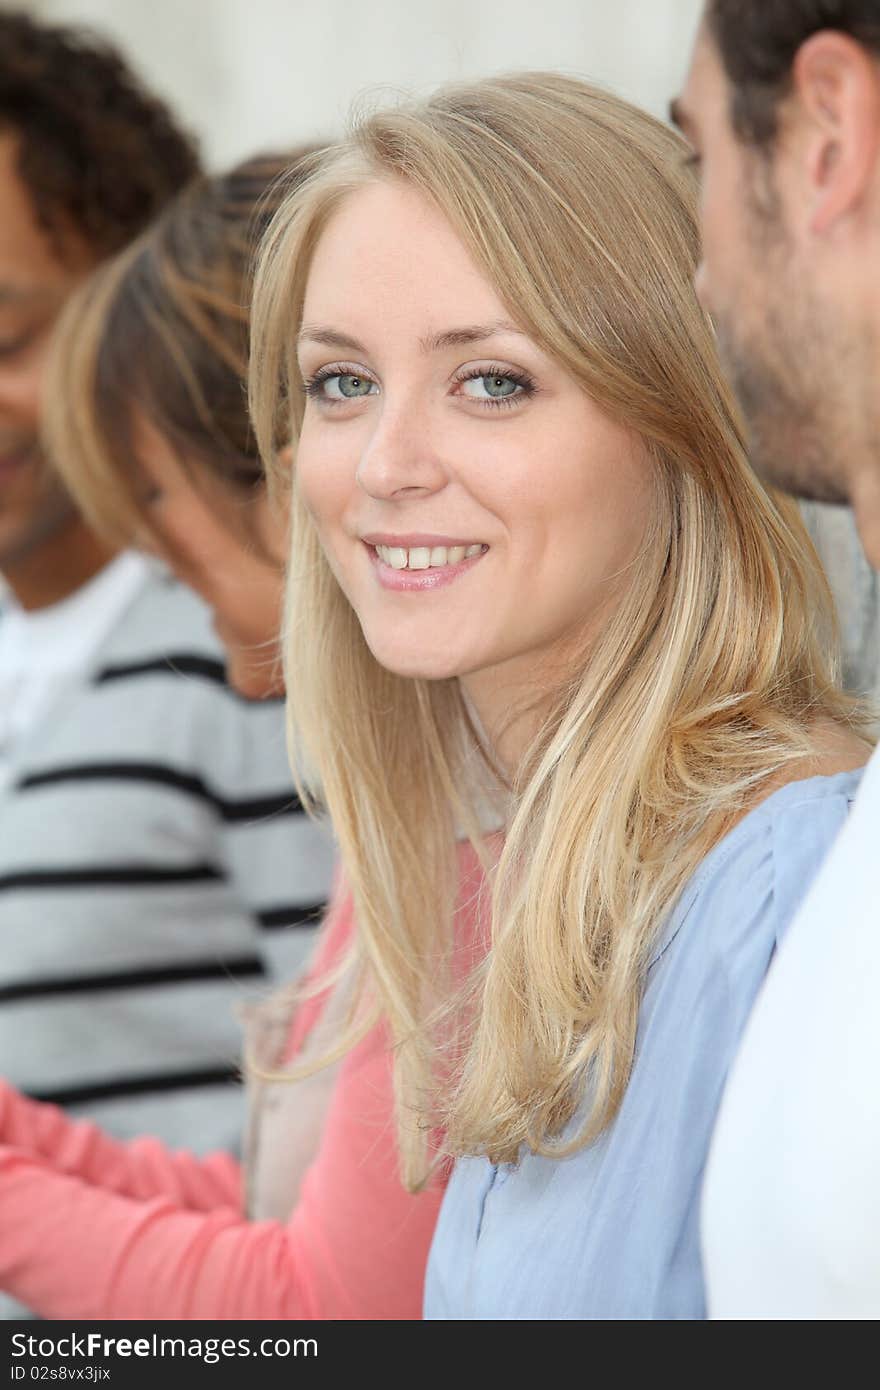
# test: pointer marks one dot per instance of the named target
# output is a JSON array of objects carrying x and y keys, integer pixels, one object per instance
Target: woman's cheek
[{"x": 318, "y": 487}]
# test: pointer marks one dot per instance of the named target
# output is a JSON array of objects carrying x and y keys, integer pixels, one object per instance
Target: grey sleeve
[{"x": 854, "y": 585}]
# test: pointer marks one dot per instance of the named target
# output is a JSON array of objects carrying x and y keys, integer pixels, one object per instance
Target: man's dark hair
[
  {"x": 98, "y": 154},
  {"x": 758, "y": 40}
]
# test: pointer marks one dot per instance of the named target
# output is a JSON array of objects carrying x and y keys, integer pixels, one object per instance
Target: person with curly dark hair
[
  {"x": 87, "y": 159},
  {"x": 145, "y": 808},
  {"x": 782, "y": 109}
]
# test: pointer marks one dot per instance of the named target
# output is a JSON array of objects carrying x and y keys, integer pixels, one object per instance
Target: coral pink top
[{"x": 92, "y": 1227}]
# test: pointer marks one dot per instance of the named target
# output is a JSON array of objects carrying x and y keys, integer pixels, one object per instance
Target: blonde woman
[{"x": 529, "y": 560}]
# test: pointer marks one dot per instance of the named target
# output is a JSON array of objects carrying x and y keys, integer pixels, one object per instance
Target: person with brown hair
[
  {"x": 142, "y": 802},
  {"x": 146, "y": 414},
  {"x": 781, "y": 107}
]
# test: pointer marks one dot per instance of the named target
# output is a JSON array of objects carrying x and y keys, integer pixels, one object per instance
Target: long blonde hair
[{"x": 701, "y": 687}]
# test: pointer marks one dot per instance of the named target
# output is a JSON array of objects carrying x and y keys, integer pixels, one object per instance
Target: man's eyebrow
[{"x": 434, "y": 342}]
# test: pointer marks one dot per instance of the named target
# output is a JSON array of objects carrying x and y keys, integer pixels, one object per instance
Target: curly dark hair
[
  {"x": 97, "y": 151},
  {"x": 758, "y": 40}
]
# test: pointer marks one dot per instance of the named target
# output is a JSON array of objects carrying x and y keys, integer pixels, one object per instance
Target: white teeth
[{"x": 422, "y": 557}]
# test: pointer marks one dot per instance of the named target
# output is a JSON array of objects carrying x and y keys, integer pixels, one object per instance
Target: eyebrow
[{"x": 434, "y": 342}]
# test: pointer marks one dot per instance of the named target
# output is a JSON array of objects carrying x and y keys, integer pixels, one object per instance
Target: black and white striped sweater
[{"x": 155, "y": 868}]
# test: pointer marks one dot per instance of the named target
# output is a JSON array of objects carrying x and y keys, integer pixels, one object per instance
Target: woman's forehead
[{"x": 388, "y": 260}]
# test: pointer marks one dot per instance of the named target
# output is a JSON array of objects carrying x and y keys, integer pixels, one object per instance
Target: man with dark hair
[
  {"x": 782, "y": 108},
  {"x": 87, "y": 159},
  {"x": 145, "y": 809}
]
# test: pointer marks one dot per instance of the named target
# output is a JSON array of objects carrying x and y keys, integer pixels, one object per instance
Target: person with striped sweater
[{"x": 155, "y": 862}]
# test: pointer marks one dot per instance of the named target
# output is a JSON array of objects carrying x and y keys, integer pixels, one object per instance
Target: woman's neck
[{"x": 507, "y": 714}]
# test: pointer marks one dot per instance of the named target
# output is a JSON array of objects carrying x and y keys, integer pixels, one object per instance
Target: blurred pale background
[{"x": 255, "y": 74}]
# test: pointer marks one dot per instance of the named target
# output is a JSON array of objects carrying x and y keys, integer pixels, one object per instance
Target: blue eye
[
  {"x": 335, "y": 386},
  {"x": 349, "y": 385},
  {"x": 497, "y": 388}
]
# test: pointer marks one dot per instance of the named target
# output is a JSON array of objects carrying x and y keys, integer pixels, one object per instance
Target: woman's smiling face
[{"x": 477, "y": 508}]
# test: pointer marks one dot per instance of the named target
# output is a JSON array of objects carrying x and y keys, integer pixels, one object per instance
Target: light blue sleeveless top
[{"x": 613, "y": 1232}]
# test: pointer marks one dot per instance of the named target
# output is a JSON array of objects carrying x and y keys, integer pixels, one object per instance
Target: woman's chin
[{"x": 416, "y": 665}]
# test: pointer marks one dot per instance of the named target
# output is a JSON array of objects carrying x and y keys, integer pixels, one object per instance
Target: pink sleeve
[
  {"x": 355, "y": 1247},
  {"x": 144, "y": 1167},
  {"x": 139, "y": 1168},
  {"x": 160, "y": 1237}
]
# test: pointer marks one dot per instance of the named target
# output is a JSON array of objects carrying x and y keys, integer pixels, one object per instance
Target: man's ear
[{"x": 838, "y": 87}]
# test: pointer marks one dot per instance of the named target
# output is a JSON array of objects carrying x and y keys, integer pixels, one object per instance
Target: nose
[{"x": 399, "y": 458}]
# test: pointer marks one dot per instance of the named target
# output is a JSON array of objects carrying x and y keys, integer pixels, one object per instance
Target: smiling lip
[
  {"x": 412, "y": 542},
  {"x": 420, "y": 580}
]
